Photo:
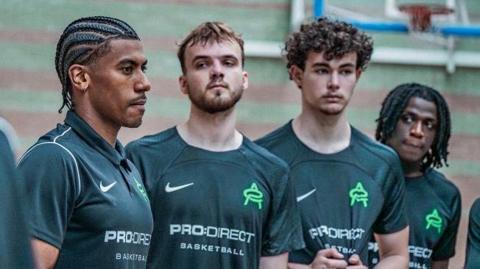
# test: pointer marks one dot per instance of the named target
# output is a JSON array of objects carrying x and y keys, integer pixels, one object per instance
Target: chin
[{"x": 133, "y": 123}]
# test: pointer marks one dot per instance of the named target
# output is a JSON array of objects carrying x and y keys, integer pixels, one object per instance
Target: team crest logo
[
  {"x": 253, "y": 195},
  {"x": 358, "y": 195},
  {"x": 141, "y": 189},
  {"x": 434, "y": 221}
]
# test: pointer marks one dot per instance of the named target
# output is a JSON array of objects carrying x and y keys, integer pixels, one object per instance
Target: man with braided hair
[
  {"x": 415, "y": 121},
  {"x": 218, "y": 200},
  {"x": 88, "y": 206},
  {"x": 347, "y": 185}
]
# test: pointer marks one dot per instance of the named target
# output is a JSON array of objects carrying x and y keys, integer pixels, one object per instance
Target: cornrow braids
[
  {"x": 82, "y": 42},
  {"x": 393, "y": 107},
  {"x": 208, "y": 32},
  {"x": 333, "y": 38}
]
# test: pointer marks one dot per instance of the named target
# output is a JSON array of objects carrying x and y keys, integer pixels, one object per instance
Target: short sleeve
[
  {"x": 51, "y": 177},
  {"x": 472, "y": 260},
  {"x": 445, "y": 247},
  {"x": 393, "y": 216},
  {"x": 283, "y": 230}
]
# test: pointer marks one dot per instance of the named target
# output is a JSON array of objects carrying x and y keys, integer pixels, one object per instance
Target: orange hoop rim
[{"x": 433, "y": 9}]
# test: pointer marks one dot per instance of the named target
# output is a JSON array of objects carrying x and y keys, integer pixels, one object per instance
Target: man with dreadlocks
[
  {"x": 88, "y": 206},
  {"x": 415, "y": 121},
  {"x": 347, "y": 185},
  {"x": 218, "y": 200}
]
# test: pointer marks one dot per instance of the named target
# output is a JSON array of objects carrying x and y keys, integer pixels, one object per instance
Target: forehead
[
  {"x": 122, "y": 49},
  {"x": 319, "y": 57},
  {"x": 421, "y": 107},
  {"x": 213, "y": 49}
]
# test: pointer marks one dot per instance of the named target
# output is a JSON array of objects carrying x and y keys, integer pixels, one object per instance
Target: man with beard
[
  {"x": 218, "y": 200},
  {"x": 347, "y": 185}
]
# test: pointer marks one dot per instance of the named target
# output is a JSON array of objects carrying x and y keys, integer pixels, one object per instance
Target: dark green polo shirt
[
  {"x": 15, "y": 241},
  {"x": 433, "y": 206},
  {"x": 215, "y": 209},
  {"x": 342, "y": 197},
  {"x": 87, "y": 199},
  {"x": 472, "y": 260}
]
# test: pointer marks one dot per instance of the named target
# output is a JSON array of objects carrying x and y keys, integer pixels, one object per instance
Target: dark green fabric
[
  {"x": 215, "y": 209},
  {"x": 433, "y": 206},
  {"x": 15, "y": 243},
  {"x": 87, "y": 199},
  {"x": 472, "y": 260},
  {"x": 343, "y": 197}
]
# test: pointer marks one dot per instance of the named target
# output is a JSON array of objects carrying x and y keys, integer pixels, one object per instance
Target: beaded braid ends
[{"x": 82, "y": 42}]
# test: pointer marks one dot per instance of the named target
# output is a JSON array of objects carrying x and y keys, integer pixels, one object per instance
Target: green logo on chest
[
  {"x": 253, "y": 195},
  {"x": 141, "y": 189},
  {"x": 434, "y": 221},
  {"x": 358, "y": 195}
]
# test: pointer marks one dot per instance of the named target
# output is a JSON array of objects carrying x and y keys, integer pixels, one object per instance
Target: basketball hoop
[{"x": 421, "y": 14}]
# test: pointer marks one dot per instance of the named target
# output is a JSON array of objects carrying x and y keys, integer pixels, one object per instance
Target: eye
[
  {"x": 321, "y": 71},
  {"x": 230, "y": 63},
  {"x": 346, "y": 72},
  {"x": 144, "y": 68},
  {"x": 127, "y": 69},
  {"x": 407, "y": 118},
  {"x": 200, "y": 64},
  {"x": 430, "y": 125}
]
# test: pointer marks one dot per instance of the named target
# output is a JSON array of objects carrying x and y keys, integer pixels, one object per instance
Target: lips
[
  {"x": 213, "y": 85},
  {"x": 139, "y": 102}
]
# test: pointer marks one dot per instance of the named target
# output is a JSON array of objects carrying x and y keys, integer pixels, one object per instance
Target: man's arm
[
  {"x": 443, "y": 264},
  {"x": 45, "y": 254},
  {"x": 325, "y": 258},
  {"x": 393, "y": 250},
  {"x": 274, "y": 262}
]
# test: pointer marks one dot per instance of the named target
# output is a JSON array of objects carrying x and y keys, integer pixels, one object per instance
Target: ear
[
  {"x": 296, "y": 74},
  {"x": 182, "y": 81},
  {"x": 245, "y": 80},
  {"x": 358, "y": 72},
  {"x": 79, "y": 77}
]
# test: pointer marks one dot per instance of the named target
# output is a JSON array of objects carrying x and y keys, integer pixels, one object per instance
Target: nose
[
  {"x": 417, "y": 129},
  {"x": 143, "y": 83},
  {"x": 216, "y": 71},
  {"x": 332, "y": 83}
]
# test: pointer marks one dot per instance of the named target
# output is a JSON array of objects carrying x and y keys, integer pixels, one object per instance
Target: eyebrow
[
  {"x": 324, "y": 64},
  {"x": 202, "y": 57},
  {"x": 132, "y": 62}
]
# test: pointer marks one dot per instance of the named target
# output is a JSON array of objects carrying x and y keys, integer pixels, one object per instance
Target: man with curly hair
[{"x": 348, "y": 187}]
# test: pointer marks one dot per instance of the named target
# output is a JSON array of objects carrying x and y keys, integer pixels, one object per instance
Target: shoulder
[
  {"x": 443, "y": 186},
  {"x": 153, "y": 141},
  {"x": 475, "y": 209},
  {"x": 375, "y": 151},
  {"x": 276, "y": 137},
  {"x": 263, "y": 155}
]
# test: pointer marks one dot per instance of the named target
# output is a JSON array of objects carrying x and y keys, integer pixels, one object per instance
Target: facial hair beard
[{"x": 219, "y": 102}]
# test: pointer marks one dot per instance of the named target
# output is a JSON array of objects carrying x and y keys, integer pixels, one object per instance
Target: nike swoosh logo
[
  {"x": 106, "y": 188},
  {"x": 301, "y": 197},
  {"x": 176, "y": 188}
]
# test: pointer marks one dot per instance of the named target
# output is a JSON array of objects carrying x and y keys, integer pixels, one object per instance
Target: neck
[
  {"x": 412, "y": 169},
  {"x": 323, "y": 133},
  {"x": 108, "y": 131},
  {"x": 214, "y": 132}
]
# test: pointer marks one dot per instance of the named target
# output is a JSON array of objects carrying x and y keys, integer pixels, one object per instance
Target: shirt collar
[{"x": 91, "y": 137}]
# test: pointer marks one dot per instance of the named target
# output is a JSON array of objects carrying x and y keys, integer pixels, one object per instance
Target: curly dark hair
[
  {"x": 334, "y": 38},
  {"x": 393, "y": 107}
]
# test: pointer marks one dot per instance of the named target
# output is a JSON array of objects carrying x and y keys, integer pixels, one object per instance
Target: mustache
[
  {"x": 141, "y": 100},
  {"x": 217, "y": 82}
]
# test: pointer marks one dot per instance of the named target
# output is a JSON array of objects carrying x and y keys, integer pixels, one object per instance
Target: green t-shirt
[
  {"x": 15, "y": 241},
  {"x": 433, "y": 206},
  {"x": 215, "y": 209},
  {"x": 472, "y": 260},
  {"x": 86, "y": 199},
  {"x": 342, "y": 197}
]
